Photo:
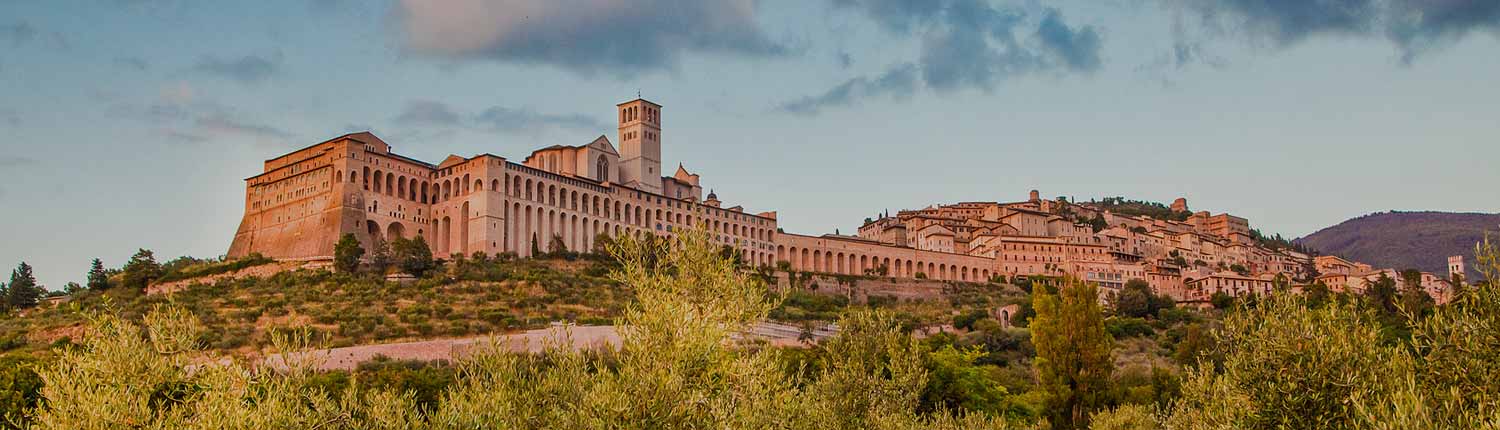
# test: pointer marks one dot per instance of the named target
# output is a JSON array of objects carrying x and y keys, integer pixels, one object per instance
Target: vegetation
[
  {"x": 676, "y": 367},
  {"x": 468, "y": 298},
  {"x": 1073, "y": 353},
  {"x": 346, "y": 254},
  {"x": 1122, "y": 206},
  {"x": 115, "y": 358},
  {"x": 1419, "y": 240},
  {"x": 22, "y": 292}
]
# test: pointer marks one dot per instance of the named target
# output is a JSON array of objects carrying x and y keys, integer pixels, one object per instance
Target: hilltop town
[{"x": 564, "y": 197}]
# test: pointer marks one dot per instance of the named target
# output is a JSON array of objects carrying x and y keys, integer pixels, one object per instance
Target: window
[{"x": 602, "y": 167}]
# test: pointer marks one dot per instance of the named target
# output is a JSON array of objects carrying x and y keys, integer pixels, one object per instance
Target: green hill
[{"x": 1402, "y": 240}]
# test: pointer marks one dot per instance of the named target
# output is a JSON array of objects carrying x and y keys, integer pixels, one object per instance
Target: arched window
[{"x": 603, "y": 169}]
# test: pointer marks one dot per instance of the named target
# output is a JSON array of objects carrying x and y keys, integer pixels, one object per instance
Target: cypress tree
[{"x": 98, "y": 278}]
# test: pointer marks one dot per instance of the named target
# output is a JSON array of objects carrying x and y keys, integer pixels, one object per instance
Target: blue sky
[{"x": 132, "y": 123}]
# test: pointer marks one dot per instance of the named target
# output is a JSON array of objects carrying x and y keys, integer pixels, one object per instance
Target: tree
[
  {"x": 1135, "y": 300},
  {"x": 346, "y": 254},
  {"x": 1414, "y": 298},
  {"x": 557, "y": 246},
  {"x": 536, "y": 248},
  {"x": 1382, "y": 294},
  {"x": 23, "y": 291},
  {"x": 1073, "y": 358},
  {"x": 72, "y": 288},
  {"x": 98, "y": 278},
  {"x": 1317, "y": 294},
  {"x": 1221, "y": 300},
  {"x": 141, "y": 269},
  {"x": 380, "y": 257},
  {"x": 412, "y": 256}
]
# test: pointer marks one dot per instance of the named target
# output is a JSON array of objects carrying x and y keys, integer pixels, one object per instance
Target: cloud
[
  {"x": 13, "y": 161},
  {"x": 964, "y": 44},
  {"x": 589, "y": 37},
  {"x": 1413, "y": 26},
  {"x": 18, "y": 33},
  {"x": 10, "y": 117},
  {"x": 136, "y": 63},
  {"x": 897, "y": 82},
  {"x": 495, "y": 119},
  {"x": 513, "y": 120},
  {"x": 427, "y": 112},
  {"x": 1076, "y": 49},
  {"x": 220, "y": 125},
  {"x": 248, "y": 69}
]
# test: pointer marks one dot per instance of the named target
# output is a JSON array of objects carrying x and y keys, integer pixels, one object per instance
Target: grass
[{"x": 473, "y": 297}]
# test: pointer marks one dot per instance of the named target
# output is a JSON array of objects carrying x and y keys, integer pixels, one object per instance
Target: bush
[{"x": 1121, "y": 328}]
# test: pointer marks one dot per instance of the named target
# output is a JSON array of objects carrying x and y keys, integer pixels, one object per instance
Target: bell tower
[{"x": 640, "y": 145}]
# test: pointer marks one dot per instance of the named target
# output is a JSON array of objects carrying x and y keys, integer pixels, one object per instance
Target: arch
[
  {"x": 366, "y": 178},
  {"x": 390, "y": 180},
  {"x": 424, "y": 194},
  {"x": 463, "y": 229},
  {"x": 401, "y": 187},
  {"x": 379, "y": 181},
  {"x": 478, "y": 185},
  {"x": 353, "y": 176},
  {"x": 463, "y": 184},
  {"x": 412, "y": 190},
  {"x": 601, "y": 169},
  {"x": 528, "y": 189},
  {"x": 552, "y": 195},
  {"x": 373, "y": 230},
  {"x": 495, "y": 185},
  {"x": 395, "y": 231},
  {"x": 516, "y": 187},
  {"x": 445, "y": 236}
]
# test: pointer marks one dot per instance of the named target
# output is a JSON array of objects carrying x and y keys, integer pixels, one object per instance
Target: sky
[{"x": 129, "y": 124}]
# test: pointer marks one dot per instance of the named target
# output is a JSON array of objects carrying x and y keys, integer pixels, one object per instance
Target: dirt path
[{"x": 578, "y": 337}]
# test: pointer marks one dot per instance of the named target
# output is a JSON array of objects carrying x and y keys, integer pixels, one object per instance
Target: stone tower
[
  {"x": 640, "y": 145},
  {"x": 1179, "y": 205},
  {"x": 1456, "y": 265}
]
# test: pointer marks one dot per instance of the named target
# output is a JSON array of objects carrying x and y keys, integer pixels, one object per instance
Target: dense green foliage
[
  {"x": 22, "y": 291},
  {"x": 1419, "y": 240},
  {"x": 346, "y": 254},
  {"x": 1073, "y": 353},
  {"x": 676, "y": 367}
]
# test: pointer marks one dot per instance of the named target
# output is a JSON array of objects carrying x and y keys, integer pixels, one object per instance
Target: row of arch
[
  {"x": 400, "y": 186},
  {"x": 578, "y": 233},
  {"x": 824, "y": 261}
]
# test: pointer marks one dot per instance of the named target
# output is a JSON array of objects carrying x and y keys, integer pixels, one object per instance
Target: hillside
[{"x": 1421, "y": 240}]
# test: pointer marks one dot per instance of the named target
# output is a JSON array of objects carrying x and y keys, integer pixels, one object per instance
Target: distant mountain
[{"x": 1405, "y": 240}]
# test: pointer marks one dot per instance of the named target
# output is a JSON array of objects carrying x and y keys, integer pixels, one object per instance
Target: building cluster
[{"x": 564, "y": 197}]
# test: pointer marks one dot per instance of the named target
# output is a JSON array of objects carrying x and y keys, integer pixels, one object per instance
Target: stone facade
[{"x": 303, "y": 202}]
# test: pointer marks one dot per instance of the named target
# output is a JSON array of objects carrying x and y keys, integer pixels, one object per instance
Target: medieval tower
[{"x": 640, "y": 145}]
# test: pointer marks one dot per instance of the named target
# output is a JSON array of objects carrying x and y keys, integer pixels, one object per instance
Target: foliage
[
  {"x": 1138, "y": 301},
  {"x": 141, "y": 270},
  {"x": 413, "y": 256},
  {"x": 346, "y": 254},
  {"x": 98, "y": 278},
  {"x": 20, "y": 390},
  {"x": 199, "y": 268},
  {"x": 1221, "y": 300},
  {"x": 1121, "y": 328},
  {"x": 22, "y": 292},
  {"x": 677, "y": 366},
  {"x": 1127, "y": 417},
  {"x": 1073, "y": 353},
  {"x": 956, "y": 383},
  {"x": 380, "y": 257}
]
